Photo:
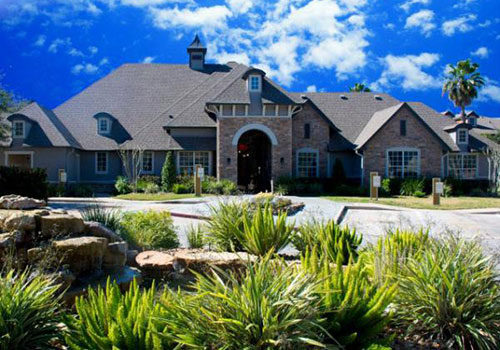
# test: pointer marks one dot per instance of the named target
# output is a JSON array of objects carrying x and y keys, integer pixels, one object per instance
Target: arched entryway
[{"x": 254, "y": 161}]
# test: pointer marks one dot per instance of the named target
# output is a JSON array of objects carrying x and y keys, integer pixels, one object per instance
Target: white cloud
[
  {"x": 147, "y": 3},
  {"x": 225, "y": 57},
  {"x": 74, "y": 52},
  {"x": 461, "y": 24},
  {"x": 58, "y": 43},
  {"x": 104, "y": 61},
  {"x": 239, "y": 6},
  {"x": 40, "y": 41},
  {"x": 87, "y": 68},
  {"x": 93, "y": 50},
  {"x": 490, "y": 91},
  {"x": 148, "y": 59},
  {"x": 311, "y": 88},
  {"x": 407, "y": 72},
  {"x": 422, "y": 20},
  {"x": 206, "y": 18},
  {"x": 463, "y": 3},
  {"x": 481, "y": 52},
  {"x": 408, "y": 4}
]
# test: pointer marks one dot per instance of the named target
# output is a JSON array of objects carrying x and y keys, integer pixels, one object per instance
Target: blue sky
[{"x": 52, "y": 49}]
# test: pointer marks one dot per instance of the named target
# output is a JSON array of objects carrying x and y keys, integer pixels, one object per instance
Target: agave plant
[
  {"x": 451, "y": 295},
  {"x": 332, "y": 238},
  {"x": 108, "y": 320},
  {"x": 270, "y": 306},
  {"x": 353, "y": 309},
  {"x": 261, "y": 233},
  {"x": 29, "y": 312}
]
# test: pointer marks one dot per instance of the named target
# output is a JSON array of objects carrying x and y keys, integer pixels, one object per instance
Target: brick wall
[
  {"x": 320, "y": 137},
  {"x": 417, "y": 136}
]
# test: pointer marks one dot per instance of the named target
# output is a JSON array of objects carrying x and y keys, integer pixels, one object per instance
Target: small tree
[
  {"x": 132, "y": 161},
  {"x": 8, "y": 104},
  {"x": 358, "y": 87},
  {"x": 493, "y": 155},
  {"x": 168, "y": 172}
]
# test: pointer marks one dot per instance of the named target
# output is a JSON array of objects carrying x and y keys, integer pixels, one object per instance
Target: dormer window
[
  {"x": 103, "y": 126},
  {"x": 18, "y": 129},
  {"x": 471, "y": 121},
  {"x": 254, "y": 83},
  {"x": 462, "y": 137}
]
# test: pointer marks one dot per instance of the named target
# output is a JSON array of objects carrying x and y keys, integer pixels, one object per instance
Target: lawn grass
[
  {"x": 155, "y": 196},
  {"x": 451, "y": 203}
]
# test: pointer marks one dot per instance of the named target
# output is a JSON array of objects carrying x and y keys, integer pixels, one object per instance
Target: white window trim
[
  {"x": 402, "y": 149},
  {"x": 30, "y": 153},
  {"x": 476, "y": 176},
  {"x": 14, "y": 136},
  {"x": 306, "y": 150},
  {"x": 250, "y": 77},
  {"x": 107, "y": 163},
  {"x": 178, "y": 157},
  {"x": 152, "y": 163},
  {"x": 108, "y": 123},
  {"x": 466, "y": 142}
]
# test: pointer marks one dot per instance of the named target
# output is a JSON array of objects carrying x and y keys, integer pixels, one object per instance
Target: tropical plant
[
  {"x": 149, "y": 230},
  {"x": 29, "y": 311},
  {"x": 269, "y": 306},
  {"x": 330, "y": 238},
  {"x": 195, "y": 236},
  {"x": 122, "y": 185},
  {"x": 111, "y": 218},
  {"x": 262, "y": 233},
  {"x": 226, "y": 218},
  {"x": 353, "y": 309},
  {"x": 462, "y": 84},
  {"x": 108, "y": 320},
  {"x": 451, "y": 296},
  {"x": 168, "y": 172},
  {"x": 411, "y": 187},
  {"x": 358, "y": 87}
]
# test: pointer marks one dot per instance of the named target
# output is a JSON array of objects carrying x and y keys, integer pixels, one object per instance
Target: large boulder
[
  {"x": 99, "y": 230},
  {"x": 22, "y": 221},
  {"x": 18, "y": 202},
  {"x": 82, "y": 254},
  {"x": 155, "y": 264},
  {"x": 202, "y": 261},
  {"x": 115, "y": 255},
  {"x": 53, "y": 225}
]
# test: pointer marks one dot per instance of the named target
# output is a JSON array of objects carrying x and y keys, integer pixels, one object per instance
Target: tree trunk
[{"x": 463, "y": 114}]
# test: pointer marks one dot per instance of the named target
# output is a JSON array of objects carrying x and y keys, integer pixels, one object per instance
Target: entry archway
[{"x": 254, "y": 161}]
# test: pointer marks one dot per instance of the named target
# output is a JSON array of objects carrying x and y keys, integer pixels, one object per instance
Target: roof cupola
[{"x": 196, "y": 53}]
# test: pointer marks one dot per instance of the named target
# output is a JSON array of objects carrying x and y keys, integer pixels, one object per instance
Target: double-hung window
[
  {"x": 188, "y": 160},
  {"x": 462, "y": 166},
  {"x": 18, "y": 129},
  {"x": 103, "y": 125},
  {"x": 462, "y": 136},
  {"x": 307, "y": 163},
  {"x": 403, "y": 163},
  {"x": 147, "y": 162},
  {"x": 254, "y": 83},
  {"x": 101, "y": 162}
]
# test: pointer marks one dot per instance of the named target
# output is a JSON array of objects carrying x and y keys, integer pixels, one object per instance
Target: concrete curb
[
  {"x": 345, "y": 208},
  {"x": 190, "y": 216}
]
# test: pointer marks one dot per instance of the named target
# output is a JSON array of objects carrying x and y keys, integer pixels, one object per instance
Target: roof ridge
[{"x": 232, "y": 82}]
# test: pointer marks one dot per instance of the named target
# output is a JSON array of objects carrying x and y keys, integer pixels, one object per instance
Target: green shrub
[
  {"x": 151, "y": 188},
  {"x": 269, "y": 306},
  {"x": 347, "y": 190},
  {"x": 195, "y": 236},
  {"x": 150, "y": 230},
  {"x": 108, "y": 320},
  {"x": 181, "y": 188},
  {"x": 168, "y": 172},
  {"x": 419, "y": 194},
  {"x": 111, "y": 218},
  {"x": 328, "y": 237},
  {"x": 411, "y": 186},
  {"x": 391, "y": 186},
  {"x": 122, "y": 185},
  {"x": 281, "y": 190},
  {"x": 225, "y": 219},
  {"x": 29, "y": 312},
  {"x": 25, "y": 182},
  {"x": 451, "y": 295},
  {"x": 80, "y": 190},
  {"x": 261, "y": 233},
  {"x": 224, "y": 186},
  {"x": 447, "y": 190},
  {"x": 353, "y": 308}
]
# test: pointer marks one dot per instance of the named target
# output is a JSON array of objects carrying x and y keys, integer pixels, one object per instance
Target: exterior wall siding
[
  {"x": 88, "y": 168},
  {"x": 417, "y": 136}
]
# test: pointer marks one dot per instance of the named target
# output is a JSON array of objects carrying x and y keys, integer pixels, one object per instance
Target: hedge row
[{"x": 25, "y": 182}]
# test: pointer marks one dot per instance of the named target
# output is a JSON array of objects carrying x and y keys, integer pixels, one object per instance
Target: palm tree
[
  {"x": 462, "y": 84},
  {"x": 359, "y": 88}
]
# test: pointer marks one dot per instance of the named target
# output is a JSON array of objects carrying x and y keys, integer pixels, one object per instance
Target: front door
[
  {"x": 254, "y": 161},
  {"x": 19, "y": 160}
]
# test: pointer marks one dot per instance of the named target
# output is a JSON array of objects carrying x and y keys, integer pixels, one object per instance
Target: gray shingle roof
[{"x": 376, "y": 122}]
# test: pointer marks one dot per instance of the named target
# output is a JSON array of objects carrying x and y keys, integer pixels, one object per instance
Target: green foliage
[
  {"x": 391, "y": 186},
  {"x": 328, "y": 237},
  {"x": 290, "y": 185},
  {"x": 8, "y": 104},
  {"x": 262, "y": 233},
  {"x": 151, "y": 188},
  {"x": 419, "y": 194},
  {"x": 226, "y": 218},
  {"x": 108, "y": 320},
  {"x": 451, "y": 295},
  {"x": 168, "y": 172},
  {"x": 25, "y": 182},
  {"x": 358, "y": 87},
  {"x": 111, "y": 218},
  {"x": 269, "y": 306},
  {"x": 447, "y": 190},
  {"x": 353, "y": 308},
  {"x": 149, "y": 230},
  {"x": 122, "y": 185},
  {"x": 495, "y": 137},
  {"x": 29, "y": 312},
  {"x": 338, "y": 173},
  {"x": 412, "y": 187},
  {"x": 212, "y": 186},
  {"x": 196, "y": 236},
  {"x": 181, "y": 188}
]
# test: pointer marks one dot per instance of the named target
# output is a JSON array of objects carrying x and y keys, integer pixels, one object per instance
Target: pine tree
[{"x": 168, "y": 175}]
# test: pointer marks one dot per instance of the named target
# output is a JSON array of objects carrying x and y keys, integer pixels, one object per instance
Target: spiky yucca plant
[
  {"x": 270, "y": 306},
  {"x": 29, "y": 312},
  {"x": 108, "y": 217},
  {"x": 261, "y": 233},
  {"x": 108, "y": 320},
  {"x": 332, "y": 238},
  {"x": 226, "y": 219},
  {"x": 353, "y": 308},
  {"x": 451, "y": 295},
  {"x": 196, "y": 236}
]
